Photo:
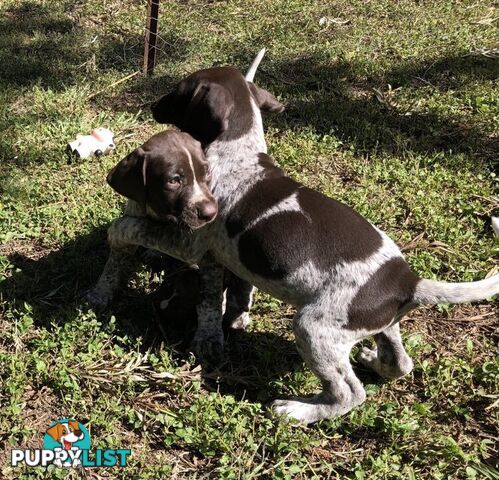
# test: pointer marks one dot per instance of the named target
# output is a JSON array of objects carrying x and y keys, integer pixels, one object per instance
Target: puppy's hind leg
[
  {"x": 389, "y": 359},
  {"x": 325, "y": 348}
]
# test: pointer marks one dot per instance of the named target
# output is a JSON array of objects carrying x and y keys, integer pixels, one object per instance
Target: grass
[{"x": 392, "y": 107}]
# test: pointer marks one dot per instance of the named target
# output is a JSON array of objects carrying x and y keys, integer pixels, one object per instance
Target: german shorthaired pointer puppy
[
  {"x": 167, "y": 179},
  {"x": 346, "y": 278}
]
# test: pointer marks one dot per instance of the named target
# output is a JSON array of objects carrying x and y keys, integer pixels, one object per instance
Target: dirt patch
[{"x": 30, "y": 249}]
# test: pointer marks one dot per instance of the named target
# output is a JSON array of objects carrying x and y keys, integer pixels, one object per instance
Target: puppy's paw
[
  {"x": 98, "y": 299},
  {"x": 239, "y": 322},
  {"x": 296, "y": 410},
  {"x": 398, "y": 367},
  {"x": 208, "y": 347},
  {"x": 368, "y": 356}
]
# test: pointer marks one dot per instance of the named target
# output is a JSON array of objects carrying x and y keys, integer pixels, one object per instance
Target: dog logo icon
[
  {"x": 66, "y": 443},
  {"x": 67, "y": 438}
]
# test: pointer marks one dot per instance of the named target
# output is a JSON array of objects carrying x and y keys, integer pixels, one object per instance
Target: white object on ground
[
  {"x": 99, "y": 142},
  {"x": 495, "y": 225}
]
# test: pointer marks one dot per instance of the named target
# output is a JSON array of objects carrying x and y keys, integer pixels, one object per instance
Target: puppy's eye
[{"x": 175, "y": 180}]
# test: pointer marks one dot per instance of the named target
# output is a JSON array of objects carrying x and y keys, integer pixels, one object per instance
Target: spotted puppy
[
  {"x": 346, "y": 278},
  {"x": 167, "y": 179}
]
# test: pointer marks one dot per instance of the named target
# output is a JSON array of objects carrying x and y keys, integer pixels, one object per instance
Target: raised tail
[
  {"x": 252, "y": 70},
  {"x": 431, "y": 292}
]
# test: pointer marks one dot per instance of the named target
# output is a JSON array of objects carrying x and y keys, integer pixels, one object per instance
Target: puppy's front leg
[
  {"x": 121, "y": 264},
  {"x": 208, "y": 341},
  {"x": 168, "y": 238}
]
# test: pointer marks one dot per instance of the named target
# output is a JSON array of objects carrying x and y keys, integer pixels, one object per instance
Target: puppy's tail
[
  {"x": 430, "y": 292},
  {"x": 252, "y": 70}
]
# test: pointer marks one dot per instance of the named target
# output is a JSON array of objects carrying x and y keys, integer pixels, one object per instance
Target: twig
[
  {"x": 121, "y": 80},
  {"x": 492, "y": 405},
  {"x": 421, "y": 79}
]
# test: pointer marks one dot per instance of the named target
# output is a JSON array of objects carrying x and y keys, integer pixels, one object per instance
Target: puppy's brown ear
[
  {"x": 56, "y": 432},
  {"x": 168, "y": 107},
  {"x": 200, "y": 108},
  {"x": 74, "y": 424},
  {"x": 265, "y": 100},
  {"x": 128, "y": 178},
  {"x": 206, "y": 115}
]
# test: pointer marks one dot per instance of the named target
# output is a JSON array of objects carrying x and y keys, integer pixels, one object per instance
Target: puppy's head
[
  {"x": 70, "y": 432},
  {"x": 213, "y": 101},
  {"x": 169, "y": 176}
]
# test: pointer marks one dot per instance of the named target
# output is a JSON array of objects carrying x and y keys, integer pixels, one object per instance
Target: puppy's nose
[{"x": 207, "y": 211}]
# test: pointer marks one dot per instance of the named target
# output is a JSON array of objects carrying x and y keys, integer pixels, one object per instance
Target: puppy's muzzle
[
  {"x": 199, "y": 214},
  {"x": 206, "y": 211}
]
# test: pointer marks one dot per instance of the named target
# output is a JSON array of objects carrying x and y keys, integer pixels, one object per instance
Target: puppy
[
  {"x": 346, "y": 278},
  {"x": 167, "y": 178}
]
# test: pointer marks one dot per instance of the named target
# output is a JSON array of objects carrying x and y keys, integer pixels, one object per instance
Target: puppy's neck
[
  {"x": 234, "y": 161},
  {"x": 231, "y": 149}
]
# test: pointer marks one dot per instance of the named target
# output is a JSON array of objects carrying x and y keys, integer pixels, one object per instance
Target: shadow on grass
[
  {"x": 259, "y": 366},
  {"x": 50, "y": 46},
  {"x": 337, "y": 97},
  {"x": 54, "y": 282},
  {"x": 37, "y": 44},
  {"x": 341, "y": 98}
]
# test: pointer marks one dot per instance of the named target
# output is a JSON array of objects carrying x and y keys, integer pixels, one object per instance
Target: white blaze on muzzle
[{"x": 197, "y": 192}]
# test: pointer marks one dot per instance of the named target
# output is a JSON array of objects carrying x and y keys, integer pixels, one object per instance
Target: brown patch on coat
[{"x": 383, "y": 296}]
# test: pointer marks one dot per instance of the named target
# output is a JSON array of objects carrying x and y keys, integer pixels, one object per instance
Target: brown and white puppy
[
  {"x": 167, "y": 179},
  {"x": 204, "y": 104},
  {"x": 347, "y": 279},
  {"x": 168, "y": 176}
]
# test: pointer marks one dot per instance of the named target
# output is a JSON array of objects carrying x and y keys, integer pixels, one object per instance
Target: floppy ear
[
  {"x": 265, "y": 100},
  {"x": 206, "y": 115},
  {"x": 128, "y": 178},
  {"x": 56, "y": 431},
  {"x": 74, "y": 424},
  {"x": 168, "y": 107}
]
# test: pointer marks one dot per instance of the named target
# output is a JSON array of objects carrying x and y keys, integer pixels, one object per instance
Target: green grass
[{"x": 392, "y": 107}]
